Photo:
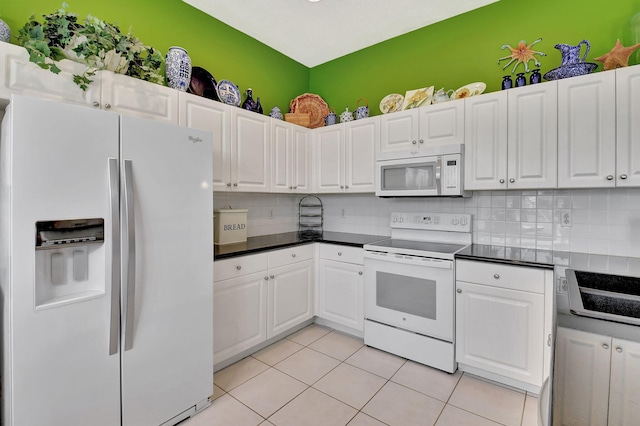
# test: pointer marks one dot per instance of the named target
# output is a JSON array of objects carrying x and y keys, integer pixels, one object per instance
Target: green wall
[
  {"x": 213, "y": 45},
  {"x": 448, "y": 54},
  {"x": 466, "y": 48}
]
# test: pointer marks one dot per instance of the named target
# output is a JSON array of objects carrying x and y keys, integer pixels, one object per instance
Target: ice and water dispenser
[{"x": 70, "y": 261}]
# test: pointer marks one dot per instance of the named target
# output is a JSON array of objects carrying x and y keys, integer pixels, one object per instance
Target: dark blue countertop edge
[{"x": 263, "y": 243}]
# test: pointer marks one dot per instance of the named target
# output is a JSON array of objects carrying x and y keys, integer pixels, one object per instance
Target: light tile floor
[{"x": 319, "y": 376}]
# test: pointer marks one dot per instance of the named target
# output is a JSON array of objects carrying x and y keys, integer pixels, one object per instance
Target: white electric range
[{"x": 409, "y": 298}]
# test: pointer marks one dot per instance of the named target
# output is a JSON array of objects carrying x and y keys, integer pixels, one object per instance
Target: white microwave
[{"x": 427, "y": 172}]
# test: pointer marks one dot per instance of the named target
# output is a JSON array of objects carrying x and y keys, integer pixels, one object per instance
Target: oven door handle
[{"x": 439, "y": 175}]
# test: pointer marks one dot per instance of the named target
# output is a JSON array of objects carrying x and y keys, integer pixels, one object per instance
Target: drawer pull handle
[
  {"x": 512, "y": 180},
  {"x": 266, "y": 278},
  {"x": 238, "y": 267},
  {"x": 496, "y": 276},
  {"x": 95, "y": 104},
  {"x": 605, "y": 346},
  {"x": 272, "y": 276},
  {"x": 619, "y": 349},
  {"x": 293, "y": 255},
  {"x": 360, "y": 273},
  {"x": 459, "y": 290},
  {"x": 549, "y": 340},
  {"x": 610, "y": 177},
  {"x": 339, "y": 253},
  {"x": 623, "y": 176},
  {"x": 501, "y": 180}
]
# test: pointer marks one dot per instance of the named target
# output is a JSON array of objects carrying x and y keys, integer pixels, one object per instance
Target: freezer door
[
  {"x": 57, "y": 367},
  {"x": 167, "y": 360}
]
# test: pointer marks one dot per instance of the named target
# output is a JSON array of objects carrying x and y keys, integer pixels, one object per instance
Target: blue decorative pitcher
[{"x": 571, "y": 54}]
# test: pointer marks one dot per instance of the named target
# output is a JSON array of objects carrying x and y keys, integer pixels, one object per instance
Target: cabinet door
[
  {"x": 329, "y": 158},
  {"x": 361, "y": 139},
  {"x": 628, "y": 126},
  {"x": 301, "y": 178},
  {"x": 500, "y": 331},
  {"x": 581, "y": 378},
  {"x": 250, "y": 151},
  {"x": 442, "y": 124},
  {"x": 624, "y": 393},
  {"x": 290, "y": 296},
  {"x": 281, "y": 156},
  {"x": 200, "y": 113},
  {"x": 533, "y": 136},
  {"x": 239, "y": 314},
  {"x": 21, "y": 77},
  {"x": 485, "y": 149},
  {"x": 587, "y": 131},
  {"x": 399, "y": 131},
  {"x": 340, "y": 293},
  {"x": 126, "y": 95}
]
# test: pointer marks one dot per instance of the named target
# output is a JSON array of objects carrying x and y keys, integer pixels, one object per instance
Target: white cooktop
[{"x": 439, "y": 235}]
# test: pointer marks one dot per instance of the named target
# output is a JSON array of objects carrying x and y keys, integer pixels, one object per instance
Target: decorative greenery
[{"x": 93, "y": 42}]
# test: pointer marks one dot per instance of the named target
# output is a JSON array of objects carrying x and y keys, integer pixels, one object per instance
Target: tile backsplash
[{"x": 597, "y": 221}]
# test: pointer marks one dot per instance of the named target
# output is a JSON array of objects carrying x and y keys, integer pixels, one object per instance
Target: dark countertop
[
  {"x": 509, "y": 255},
  {"x": 288, "y": 239}
]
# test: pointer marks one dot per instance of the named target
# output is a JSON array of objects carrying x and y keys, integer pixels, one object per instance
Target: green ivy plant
[{"x": 93, "y": 42}]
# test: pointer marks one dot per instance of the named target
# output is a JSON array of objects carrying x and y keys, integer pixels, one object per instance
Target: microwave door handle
[{"x": 438, "y": 174}]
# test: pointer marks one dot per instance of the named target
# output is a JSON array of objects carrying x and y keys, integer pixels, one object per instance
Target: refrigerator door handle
[
  {"x": 131, "y": 257},
  {"x": 114, "y": 321}
]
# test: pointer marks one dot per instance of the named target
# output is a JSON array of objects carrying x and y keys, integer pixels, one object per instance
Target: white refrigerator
[{"x": 106, "y": 267}]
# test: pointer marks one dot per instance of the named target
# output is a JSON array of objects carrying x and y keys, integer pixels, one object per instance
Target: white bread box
[{"x": 229, "y": 226}]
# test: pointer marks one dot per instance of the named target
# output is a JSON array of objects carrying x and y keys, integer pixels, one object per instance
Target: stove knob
[
  {"x": 456, "y": 221},
  {"x": 464, "y": 221}
]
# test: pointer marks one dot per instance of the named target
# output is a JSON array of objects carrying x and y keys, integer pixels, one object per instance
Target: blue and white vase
[
  {"x": 5, "y": 32},
  {"x": 276, "y": 113},
  {"x": 178, "y": 69}
]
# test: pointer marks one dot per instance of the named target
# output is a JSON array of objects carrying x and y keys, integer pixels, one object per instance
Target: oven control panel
[{"x": 432, "y": 221}]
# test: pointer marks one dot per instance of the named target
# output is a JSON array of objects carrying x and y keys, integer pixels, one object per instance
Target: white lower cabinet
[
  {"x": 290, "y": 296},
  {"x": 257, "y": 297},
  {"x": 341, "y": 285},
  {"x": 503, "y": 322},
  {"x": 239, "y": 305},
  {"x": 596, "y": 380}
]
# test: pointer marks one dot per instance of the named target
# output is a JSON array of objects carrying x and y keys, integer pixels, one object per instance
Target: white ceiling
[{"x": 314, "y": 33}]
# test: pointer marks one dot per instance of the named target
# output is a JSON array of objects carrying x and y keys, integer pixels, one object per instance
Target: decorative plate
[
  {"x": 203, "y": 84},
  {"x": 418, "y": 97},
  {"x": 228, "y": 93},
  {"x": 571, "y": 70},
  {"x": 472, "y": 89},
  {"x": 313, "y": 105},
  {"x": 391, "y": 103}
]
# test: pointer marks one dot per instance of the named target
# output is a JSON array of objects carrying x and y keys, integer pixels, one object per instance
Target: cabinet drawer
[
  {"x": 239, "y": 266},
  {"x": 342, "y": 253},
  {"x": 290, "y": 255},
  {"x": 503, "y": 276}
]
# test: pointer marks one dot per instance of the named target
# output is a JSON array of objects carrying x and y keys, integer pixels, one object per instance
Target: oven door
[{"x": 410, "y": 292}]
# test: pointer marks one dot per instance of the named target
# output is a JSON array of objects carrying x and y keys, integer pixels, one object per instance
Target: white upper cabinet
[
  {"x": 431, "y": 125},
  {"x": 587, "y": 131},
  {"x": 362, "y": 137},
  {"x": 511, "y": 139},
  {"x": 21, "y": 77},
  {"x": 329, "y": 158},
  {"x": 250, "y": 151},
  {"x": 485, "y": 149},
  {"x": 108, "y": 91},
  {"x": 399, "y": 131},
  {"x": 442, "y": 123},
  {"x": 290, "y": 157},
  {"x": 344, "y": 157},
  {"x": 204, "y": 114},
  {"x": 132, "y": 96},
  {"x": 532, "y": 148},
  {"x": 628, "y": 126}
]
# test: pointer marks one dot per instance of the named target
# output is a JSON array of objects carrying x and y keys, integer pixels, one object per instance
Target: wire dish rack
[{"x": 310, "y": 217}]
